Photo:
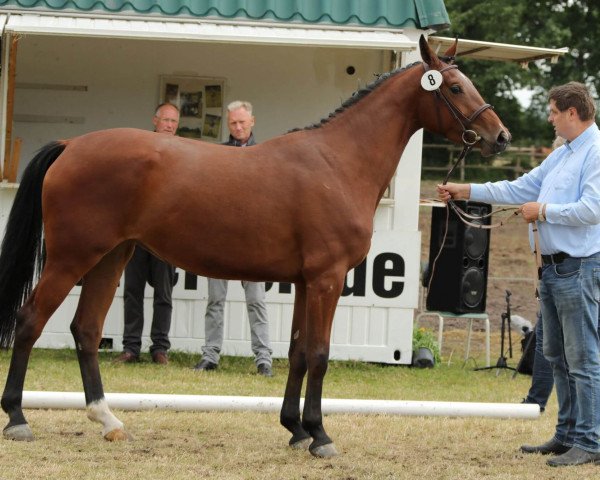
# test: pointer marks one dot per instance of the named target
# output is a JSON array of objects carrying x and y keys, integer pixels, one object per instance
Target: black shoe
[
  {"x": 575, "y": 456},
  {"x": 205, "y": 365},
  {"x": 550, "y": 447},
  {"x": 264, "y": 370}
]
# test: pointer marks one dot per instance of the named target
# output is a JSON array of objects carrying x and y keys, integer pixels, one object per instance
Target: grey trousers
[{"x": 257, "y": 316}]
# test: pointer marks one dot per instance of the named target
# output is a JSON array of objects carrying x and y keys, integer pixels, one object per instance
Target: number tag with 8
[{"x": 431, "y": 80}]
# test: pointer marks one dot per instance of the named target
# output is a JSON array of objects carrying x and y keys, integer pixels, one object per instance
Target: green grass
[
  {"x": 250, "y": 445},
  {"x": 58, "y": 370}
]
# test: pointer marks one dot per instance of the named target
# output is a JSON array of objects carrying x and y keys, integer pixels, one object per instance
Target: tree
[
  {"x": 570, "y": 23},
  {"x": 540, "y": 23}
]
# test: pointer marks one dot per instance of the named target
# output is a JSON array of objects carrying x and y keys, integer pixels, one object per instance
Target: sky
[{"x": 523, "y": 95}]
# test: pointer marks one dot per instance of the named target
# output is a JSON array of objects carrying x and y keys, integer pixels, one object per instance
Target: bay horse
[{"x": 303, "y": 203}]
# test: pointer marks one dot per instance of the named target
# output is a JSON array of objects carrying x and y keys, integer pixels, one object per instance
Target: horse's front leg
[
  {"x": 290, "y": 410},
  {"x": 322, "y": 297},
  {"x": 97, "y": 293}
]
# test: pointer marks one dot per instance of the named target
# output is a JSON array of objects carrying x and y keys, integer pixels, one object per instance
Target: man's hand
[
  {"x": 456, "y": 191},
  {"x": 530, "y": 211}
]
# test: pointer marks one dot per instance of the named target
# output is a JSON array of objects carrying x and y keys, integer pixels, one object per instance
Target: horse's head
[{"x": 458, "y": 110}]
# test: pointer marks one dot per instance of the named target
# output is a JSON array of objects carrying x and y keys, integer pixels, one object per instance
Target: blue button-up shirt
[{"x": 568, "y": 181}]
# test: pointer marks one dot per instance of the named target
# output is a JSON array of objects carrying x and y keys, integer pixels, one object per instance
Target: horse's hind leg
[
  {"x": 52, "y": 289},
  {"x": 290, "y": 410},
  {"x": 97, "y": 293},
  {"x": 12, "y": 398}
]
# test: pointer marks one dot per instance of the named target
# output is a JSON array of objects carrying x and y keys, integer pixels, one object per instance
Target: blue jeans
[
  {"x": 542, "y": 379},
  {"x": 570, "y": 296}
]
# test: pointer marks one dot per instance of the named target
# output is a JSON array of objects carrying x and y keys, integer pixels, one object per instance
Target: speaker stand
[{"x": 501, "y": 362}]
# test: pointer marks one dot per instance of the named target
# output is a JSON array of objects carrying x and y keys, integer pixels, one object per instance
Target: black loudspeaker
[{"x": 459, "y": 281}]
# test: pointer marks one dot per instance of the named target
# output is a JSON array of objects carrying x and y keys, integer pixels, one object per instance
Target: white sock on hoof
[{"x": 98, "y": 411}]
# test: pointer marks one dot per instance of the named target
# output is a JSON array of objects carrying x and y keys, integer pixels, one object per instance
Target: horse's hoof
[
  {"x": 118, "y": 435},
  {"x": 20, "y": 433},
  {"x": 301, "y": 444},
  {"x": 324, "y": 451}
]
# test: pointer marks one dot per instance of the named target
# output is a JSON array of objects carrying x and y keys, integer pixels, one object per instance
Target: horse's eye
[{"x": 456, "y": 89}]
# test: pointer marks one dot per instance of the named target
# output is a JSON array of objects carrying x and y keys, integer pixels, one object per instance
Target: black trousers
[{"x": 145, "y": 267}]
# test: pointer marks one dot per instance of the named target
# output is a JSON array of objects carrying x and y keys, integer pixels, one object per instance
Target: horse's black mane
[{"x": 358, "y": 96}]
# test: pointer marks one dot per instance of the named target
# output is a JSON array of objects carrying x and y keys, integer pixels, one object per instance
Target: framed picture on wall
[{"x": 200, "y": 103}]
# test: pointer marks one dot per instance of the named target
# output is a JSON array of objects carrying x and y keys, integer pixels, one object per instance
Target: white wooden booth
[
  {"x": 67, "y": 84},
  {"x": 75, "y": 74}
]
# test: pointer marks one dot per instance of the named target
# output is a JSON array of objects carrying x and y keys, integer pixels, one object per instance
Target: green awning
[{"x": 394, "y": 14}]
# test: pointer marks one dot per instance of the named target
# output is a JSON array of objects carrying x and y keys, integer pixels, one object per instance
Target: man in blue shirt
[{"x": 563, "y": 195}]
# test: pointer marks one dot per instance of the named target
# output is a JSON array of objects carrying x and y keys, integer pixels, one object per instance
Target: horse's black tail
[{"x": 22, "y": 248}]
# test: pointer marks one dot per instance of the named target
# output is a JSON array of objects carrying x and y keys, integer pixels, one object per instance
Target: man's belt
[{"x": 554, "y": 258}]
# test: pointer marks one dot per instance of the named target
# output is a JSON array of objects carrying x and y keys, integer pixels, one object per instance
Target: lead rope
[
  {"x": 538, "y": 258},
  {"x": 466, "y": 218},
  {"x": 466, "y": 149}
]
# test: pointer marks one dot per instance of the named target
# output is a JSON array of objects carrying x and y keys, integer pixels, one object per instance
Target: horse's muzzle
[{"x": 503, "y": 141}]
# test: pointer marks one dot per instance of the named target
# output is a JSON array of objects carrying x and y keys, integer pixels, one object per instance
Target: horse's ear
[
  {"x": 451, "y": 52},
  {"x": 427, "y": 54}
]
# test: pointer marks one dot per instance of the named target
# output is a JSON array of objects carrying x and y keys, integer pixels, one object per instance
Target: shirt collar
[
  {"x": 236, "y": 143},
  {"x": 583, "y": 137}
]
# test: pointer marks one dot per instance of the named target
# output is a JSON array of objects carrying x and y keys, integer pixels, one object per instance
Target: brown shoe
[
  {"x": 160, "y": 358},
  {"x": 126, "y": 357}
]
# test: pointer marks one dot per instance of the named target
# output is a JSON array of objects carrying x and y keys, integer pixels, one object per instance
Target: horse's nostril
[{"x": 504, "y": 138}]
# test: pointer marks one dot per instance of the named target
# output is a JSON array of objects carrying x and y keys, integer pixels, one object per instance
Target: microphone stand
[{"x": 501, "y": 362}]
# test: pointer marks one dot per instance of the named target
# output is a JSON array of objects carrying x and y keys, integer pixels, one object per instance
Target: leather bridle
[{"x": 469, "y": 136}]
